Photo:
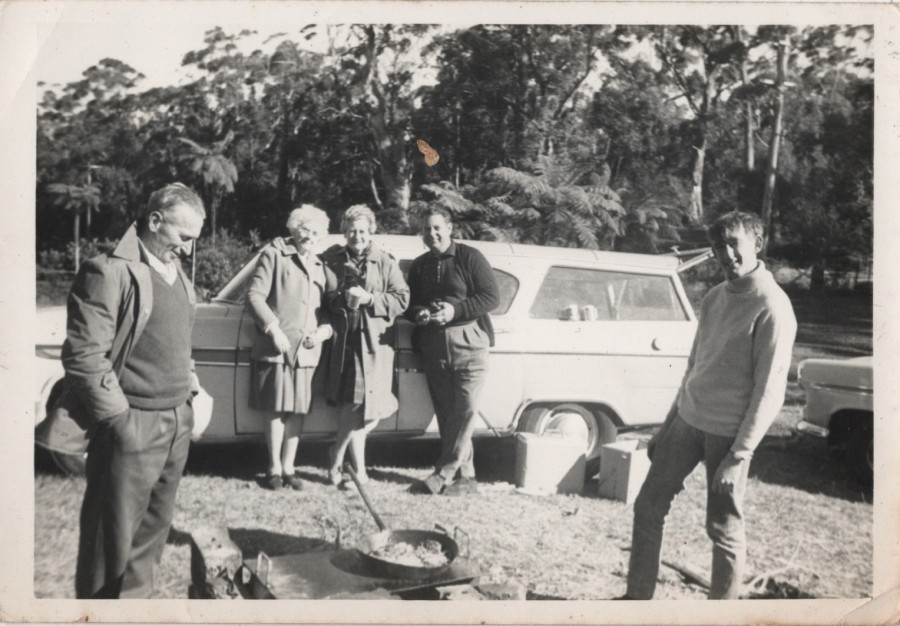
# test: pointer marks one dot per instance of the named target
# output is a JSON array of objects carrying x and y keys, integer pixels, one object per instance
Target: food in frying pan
[{"x": 426, "y": 554}]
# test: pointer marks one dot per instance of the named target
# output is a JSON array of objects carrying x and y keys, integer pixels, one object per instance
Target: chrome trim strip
[
  {"x": 213, "y": 349},
  {"x": 812, "y": 429},
  {"x": 827, "y": 387}
]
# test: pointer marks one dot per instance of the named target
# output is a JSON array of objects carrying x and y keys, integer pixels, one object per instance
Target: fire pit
[{"x": 340, "y": 573}]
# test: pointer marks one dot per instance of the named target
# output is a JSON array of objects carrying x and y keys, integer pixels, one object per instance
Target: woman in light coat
[
  {"x": 286, "y": 299},
  {"x": 366, "y": 292}
]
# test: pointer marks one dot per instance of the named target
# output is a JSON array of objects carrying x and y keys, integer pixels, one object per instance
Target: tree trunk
[
  {"x": 374, "y": 187},
  {"x": 390, "y": 151},
  {"x": 775, "y": 143},
  {"x": 817, "y": 276},
  {"x": 457, "y": 148},
  {"x": 77, "y": 250},
  {"x": 749, "y": 152},
  {"x": 397, "y": 189},
  {"x": 213, "y": 208},
  {"x": 695, "y": 206},
  {"x": 281, "y": 193}
]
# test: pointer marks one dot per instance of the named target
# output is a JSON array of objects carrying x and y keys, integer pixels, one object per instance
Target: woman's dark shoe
[
  {"x": 293, "y": 481},
  {"x": 433, "y": 484},
  {"x": 462, "y": 487},
  {"x": 273, "y": 482}
]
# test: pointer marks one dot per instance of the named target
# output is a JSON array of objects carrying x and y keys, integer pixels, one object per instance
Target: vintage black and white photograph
[{"x": 485, "y": 306}]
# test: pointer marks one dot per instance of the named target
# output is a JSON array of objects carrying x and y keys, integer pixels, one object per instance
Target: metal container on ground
[
  {"x": 623, "y": 468},
  {"x": 549, "y": 463}
]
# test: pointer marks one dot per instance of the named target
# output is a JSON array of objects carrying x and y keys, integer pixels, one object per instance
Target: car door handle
[{"x": 657, "y": 344}]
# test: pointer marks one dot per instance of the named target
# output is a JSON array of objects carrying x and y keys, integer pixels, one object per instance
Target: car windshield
[{"x": 603, "y": 295}]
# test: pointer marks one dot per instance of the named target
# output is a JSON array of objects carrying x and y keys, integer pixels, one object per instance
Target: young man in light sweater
[{"x": 732, "y": 391}]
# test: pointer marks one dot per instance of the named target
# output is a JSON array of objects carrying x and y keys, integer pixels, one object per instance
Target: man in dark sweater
[
  {"x": 452, "y": 290},
  {"x": 127, "y": 357}
]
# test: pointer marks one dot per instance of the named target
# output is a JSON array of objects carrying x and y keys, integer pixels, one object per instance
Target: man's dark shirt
[{"x": 460, "y": 276}]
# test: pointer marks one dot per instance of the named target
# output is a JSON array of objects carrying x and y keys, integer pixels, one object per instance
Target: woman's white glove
[{"x": 282, "y": 343}]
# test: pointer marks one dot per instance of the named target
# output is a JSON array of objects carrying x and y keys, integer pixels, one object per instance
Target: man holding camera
[{"x": 452, "y": 291}]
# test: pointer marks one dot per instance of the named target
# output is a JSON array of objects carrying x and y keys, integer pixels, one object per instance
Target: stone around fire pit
[
  {"x": 215, "y": 560},
  {"x": 502, "y": 591},
  {"x": 459, "y": 592}
]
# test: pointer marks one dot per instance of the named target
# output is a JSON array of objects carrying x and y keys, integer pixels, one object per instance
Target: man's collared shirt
[{"x": 166, "y": 270}]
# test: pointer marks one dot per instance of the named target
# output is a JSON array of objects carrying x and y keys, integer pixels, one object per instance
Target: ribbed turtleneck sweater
[{"x": 737, "y": 371}]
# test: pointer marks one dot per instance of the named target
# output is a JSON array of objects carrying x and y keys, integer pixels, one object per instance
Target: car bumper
[{"x": 808, "y": 428}]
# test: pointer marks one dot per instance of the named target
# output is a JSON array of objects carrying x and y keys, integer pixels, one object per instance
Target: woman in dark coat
[
  {"x": 366, "y": 292},
  {"x": 286, "y": 299}
]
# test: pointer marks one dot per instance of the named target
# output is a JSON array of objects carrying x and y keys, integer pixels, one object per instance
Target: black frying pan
[{"x": 385, "y": 537}]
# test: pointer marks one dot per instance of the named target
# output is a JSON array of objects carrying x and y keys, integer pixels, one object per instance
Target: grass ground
[{"x": 807, "y": 521}]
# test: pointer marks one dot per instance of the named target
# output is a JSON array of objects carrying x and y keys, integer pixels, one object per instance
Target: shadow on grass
[
  {"x": 803, "y": 463},
  {"x": 252, "y": 541}
]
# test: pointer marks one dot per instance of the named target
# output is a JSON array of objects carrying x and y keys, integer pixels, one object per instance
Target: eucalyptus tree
[
  {"x": 636, "y": 124},
  {"x": 703, "y": 64},
  {"x": 378, "y": 70},
  {"x": 826, "y": 179},
  {"x": 508, "y": 94}
]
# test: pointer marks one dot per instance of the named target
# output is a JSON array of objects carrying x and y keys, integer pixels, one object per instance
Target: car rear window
[
  {"x": 506, "y": 283},
  {"x": 593, "y": 294}
]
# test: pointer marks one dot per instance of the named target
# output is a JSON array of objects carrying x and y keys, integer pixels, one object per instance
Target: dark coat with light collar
[
  {"x": 385, "y": 282},
  {"x": 108, "y": 307}
]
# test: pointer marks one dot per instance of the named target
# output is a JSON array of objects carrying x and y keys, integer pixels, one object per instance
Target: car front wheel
[{"x": 594, "y": 427}]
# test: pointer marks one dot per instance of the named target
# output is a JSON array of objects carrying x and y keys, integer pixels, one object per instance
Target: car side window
[
  {"x": 572, "y": 293},
  {"x": 507, "y": 284}
]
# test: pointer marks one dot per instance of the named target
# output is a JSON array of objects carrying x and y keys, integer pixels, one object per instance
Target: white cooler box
[
  {"x": 623, "y": 468},
  {"x": 549, "y": 464}
]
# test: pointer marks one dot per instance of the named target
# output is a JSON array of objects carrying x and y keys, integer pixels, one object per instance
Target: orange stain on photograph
[{"x": 431, "y": 155}]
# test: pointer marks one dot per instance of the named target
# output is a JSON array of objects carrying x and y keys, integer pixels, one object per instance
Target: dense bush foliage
[
  {"x": 64, "y": 260},
  {"x": 596, "y": 136},
  {"x": 216, "y": 264}
]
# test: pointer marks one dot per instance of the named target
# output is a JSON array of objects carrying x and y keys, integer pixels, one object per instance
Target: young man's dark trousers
[
  {"x": 455, "y": 359},
  {"x": 134, "y": 467}
]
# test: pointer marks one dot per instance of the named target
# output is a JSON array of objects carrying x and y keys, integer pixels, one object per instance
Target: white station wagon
[{"x": 590, "y": 343}]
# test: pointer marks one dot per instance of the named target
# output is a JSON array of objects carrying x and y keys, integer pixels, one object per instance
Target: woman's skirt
[
  {"x": 353, "y": 377},
  {"x": 280, "y": 388}
]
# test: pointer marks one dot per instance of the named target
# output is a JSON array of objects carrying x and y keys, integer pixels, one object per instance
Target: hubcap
[{"x": 571, "y": 423}]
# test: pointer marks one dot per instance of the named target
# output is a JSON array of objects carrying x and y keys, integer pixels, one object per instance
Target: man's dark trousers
[
  {"x": 455, "y": 359},
  {"x": 133, "y": 470}
]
